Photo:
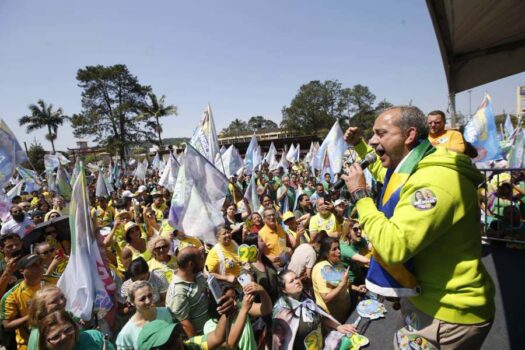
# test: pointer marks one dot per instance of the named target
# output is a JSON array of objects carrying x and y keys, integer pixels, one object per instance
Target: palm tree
[
  {"x": 42, "y": 115},
  {"x": 156, "y": 109}
]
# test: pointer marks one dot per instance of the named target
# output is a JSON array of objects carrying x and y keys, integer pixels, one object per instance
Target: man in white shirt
[{"x": 19, "y": 223}]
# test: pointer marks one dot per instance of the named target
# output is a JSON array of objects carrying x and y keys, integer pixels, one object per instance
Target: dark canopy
[{"x": 480, "y": 40}]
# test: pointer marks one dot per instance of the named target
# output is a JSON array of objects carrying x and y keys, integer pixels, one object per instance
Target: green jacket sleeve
[
  {"x": 410, "y": 229},
  {"x": 376, "y": 169}
]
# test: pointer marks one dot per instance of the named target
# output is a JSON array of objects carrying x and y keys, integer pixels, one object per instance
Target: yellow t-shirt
[
  {"x": 340, "y": 306},
  {"x": 330, "y": 225},
  {"x": 167, "y": 269},
  {"x": 274, "y": 241},
  {"x": 104, "y": 216},
  {"x": 159, "y": 212},
  {"x": 450, "y": 139},
  {"x": 15, "y": 305},
  {"x": 224, "y": 260}
]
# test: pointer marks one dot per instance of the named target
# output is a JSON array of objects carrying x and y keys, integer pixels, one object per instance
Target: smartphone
[
  {"x": 215, "y": 288},
  {"x": 244, "y": 279}
]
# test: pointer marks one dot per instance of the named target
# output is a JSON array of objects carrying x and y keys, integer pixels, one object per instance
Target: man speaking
[{"x": 425, "y": 231}]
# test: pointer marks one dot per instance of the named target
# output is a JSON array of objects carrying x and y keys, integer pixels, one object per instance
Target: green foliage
[
  {"x": 112, "y": 98},
  {"x": 236, "y": 127},
  {"x": 259, "y": 123},
  {"x": 255, "y": 124},
  {"x": 150, "y": 113},
  {"x": 35, "y": 155},
  {"x": 318, "y": 105},
  {"x": 43, "y": 116}
]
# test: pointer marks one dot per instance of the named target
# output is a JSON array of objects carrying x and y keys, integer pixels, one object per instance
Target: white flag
[
  {"x": 334, "y": 146},
  {"x": 169, "y": 174},
  {"x": 252, "y": 158},
  {"x": 198, "y": 197},
  {"x": 204, "y": 138},
  {"x": 251, "y": 194},
  {"x": 231, "y": 160},
  {"x": 85, "y": 282},
  {"x": 290, "y": 156}
]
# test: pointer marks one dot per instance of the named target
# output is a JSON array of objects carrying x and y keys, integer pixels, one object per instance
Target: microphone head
[{"x": 370, "y": 157}]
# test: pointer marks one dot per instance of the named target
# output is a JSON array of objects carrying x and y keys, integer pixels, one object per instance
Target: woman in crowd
[
  {"x": 304, "y": 258},
  {"x": 136, "y": 244},
  {"x": 330, "y": 281},
  {"x": 253, "y": 224},
  {"x": 139, "y": 271},
  {"x": 52, "y": 214},
  {"x": 58, "y": 331},
  {"x": 54, "y": 261},
  {"x": 234, "y": 221},
  {"x": 354, "y": 246},
  {"x": 222, "y": 260},
  {"x": 297, "y": 319},
  {"x": 162, "y": 261},
  {"x": 140, "y": 295}
]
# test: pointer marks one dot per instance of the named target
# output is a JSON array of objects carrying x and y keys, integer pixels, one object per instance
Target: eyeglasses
[
  {"x": 64, "y": 333},
  {"x": 162, "y": 247}
]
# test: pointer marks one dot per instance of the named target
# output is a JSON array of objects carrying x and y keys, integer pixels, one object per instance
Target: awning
[{"x": 480, "y": 40}]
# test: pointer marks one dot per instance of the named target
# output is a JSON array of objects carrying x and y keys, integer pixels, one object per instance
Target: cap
[
  {"x": 127, "y": 194},
  {"x": 287, "y": 216},
  {"x": 155, "y": 334},
  {"x": 339, "y": 202},
  {"x": 27, "y": 261},
  {"x": 129, "y": 226},
  {"x": 142, "y": 188},
  {"x": 122, "y": 212},
  {"x": 155, "y": 193}
]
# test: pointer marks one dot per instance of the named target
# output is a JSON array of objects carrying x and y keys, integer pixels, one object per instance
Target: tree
[
  {"x": 152, "y": 112},
  {"x": 236, "y": 127},
  {"x": 259, "y": 122},
  {"x": 43, "y": 116},
  {"x": 35, "y": 155},
  {"x": 111, "y": 100},
  {"x": 318, "y": 105}
]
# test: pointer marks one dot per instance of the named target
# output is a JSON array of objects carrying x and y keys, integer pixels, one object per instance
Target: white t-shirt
[
  {"x": 20, "y": 228},
  {"x": 303, "y": 257}
]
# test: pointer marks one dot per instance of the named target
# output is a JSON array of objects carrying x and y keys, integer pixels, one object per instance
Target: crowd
[{"x": 285, "y": 275}]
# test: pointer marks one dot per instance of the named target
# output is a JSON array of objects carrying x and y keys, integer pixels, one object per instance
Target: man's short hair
[
  {"x": 186, "y": 255},
  {"x": 411, "y": 117},
  {"x": 8, "y": 236},
  {"x": 268, "y": 209},
  {"x": 440, "y": 113}
]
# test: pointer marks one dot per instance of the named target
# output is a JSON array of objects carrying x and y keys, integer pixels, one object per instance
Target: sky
[{"x": 245, "y": 58}]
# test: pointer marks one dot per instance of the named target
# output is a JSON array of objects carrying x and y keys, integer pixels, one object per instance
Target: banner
[{"x": 204, "y": 138}]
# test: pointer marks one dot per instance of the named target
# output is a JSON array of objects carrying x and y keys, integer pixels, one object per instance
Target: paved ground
[{"x": 506, "y": 266}]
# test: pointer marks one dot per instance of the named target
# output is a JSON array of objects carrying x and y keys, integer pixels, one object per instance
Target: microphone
[{"x": 364, "y": 163}]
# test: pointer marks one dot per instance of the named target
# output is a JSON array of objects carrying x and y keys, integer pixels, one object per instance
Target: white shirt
[{"x": 20, "y": 228}]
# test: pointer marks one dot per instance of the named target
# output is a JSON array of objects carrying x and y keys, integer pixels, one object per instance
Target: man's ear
[{"x": 411, "y": 136}]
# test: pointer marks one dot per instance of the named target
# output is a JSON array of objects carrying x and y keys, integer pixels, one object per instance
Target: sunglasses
[
  {"x": 356, "y": 229},
  {"x": 162, "y": 247}
]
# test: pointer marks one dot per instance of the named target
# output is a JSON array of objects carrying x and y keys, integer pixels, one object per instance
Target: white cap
[
  {"x": 339, "y": 202},
  {"x": 127, "y": 194},
  {"x": 142, "y": 188}
]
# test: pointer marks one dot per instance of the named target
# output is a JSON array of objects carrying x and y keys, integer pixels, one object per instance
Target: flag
[
  {"x": 168, "y": 177},
  {"x": 11, "y": 154},
  {"x": 62, "y": 159},
  {"x": 198, "y": 197},
  {"x": 30, "y": 177},
  {"x": 509, "y": 128},
  {"x": 252, "y": 158},
  {"x": 155, "y": 163},
  {"x": 334, "y": 146},
  {"x": 283, "y": 163},
  {"x": 251, "y": 194},
  {"x": 517, "y": 152},
  {"x": 101, "y": 189},
  {"x": 290, "y": 156},
  {"x": 271, "y": 158},
  {"x": 85, "y": 282},
  {"x": 62, "y": 183},
  {"x": 204, "y": 138},
  {"x": 481, "y": 132},
  {"x": 231, "y": 161},
  {"x": 16, "y": 190},
  {"x": 51, "y": 162},
  {"x": 140, "y": 171},
  {"x": 115, "y": 175}
]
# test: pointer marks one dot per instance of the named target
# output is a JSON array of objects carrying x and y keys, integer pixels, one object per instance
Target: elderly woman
[
  {"x": 162, "y": 261},
  {"x": 222, "y": 260},
  {"x": 140, "y": 295},
  {"x": 58, "y": 331},
  {"x": 297, "y": 319}
]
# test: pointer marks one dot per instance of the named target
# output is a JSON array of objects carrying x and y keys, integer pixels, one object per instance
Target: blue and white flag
[
  {"x": 204, "y": 138},
  {"x": 101, "y": 189},
  {"x": 85, "y": 282},
  {"x": 509, "y": 128},
  {"x": 11, "y": 154},
  {"x": 516, "y": 153},
  {"x": 251, "y": 194},
  {"x": 334, "y": 146},
  {"x": 198, "y": 197},
  {"x": 253, "y": 158},
  {"x": 482, "y": 133}
]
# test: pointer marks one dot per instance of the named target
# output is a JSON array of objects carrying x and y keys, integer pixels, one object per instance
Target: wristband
[{"x": 359, "y": 194}]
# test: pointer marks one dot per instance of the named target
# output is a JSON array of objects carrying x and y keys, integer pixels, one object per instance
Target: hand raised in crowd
[
  {"x": 253, "y": 288},
  {"x": 247, "y": 302},
  {"x": 346, "y": 328},
  {"x": 10, "y": 266},
  {"x": 353, "y": 135},
  {"x": 226, "y": 305}
]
